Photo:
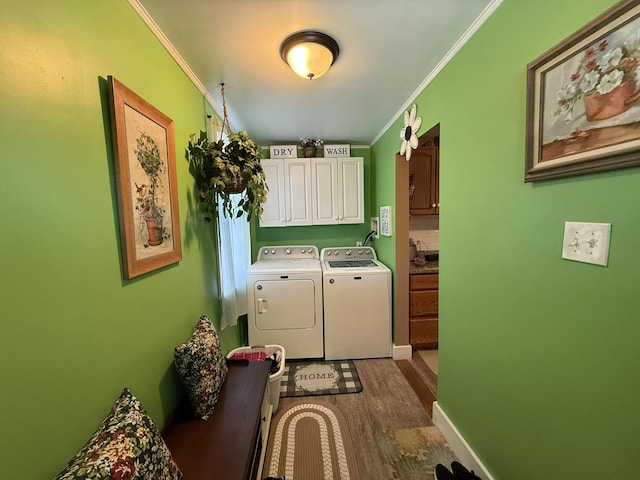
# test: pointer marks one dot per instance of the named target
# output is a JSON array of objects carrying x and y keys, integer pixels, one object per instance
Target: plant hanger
[
  {"x": 223, "y": 169},
  {"x": 225, "y": 120}
]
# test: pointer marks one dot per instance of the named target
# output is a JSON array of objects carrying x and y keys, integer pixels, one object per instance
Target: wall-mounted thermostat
[{"x": 385, "y": 221}]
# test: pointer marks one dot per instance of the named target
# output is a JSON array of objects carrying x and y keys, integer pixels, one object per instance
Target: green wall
[
  {"x": 538, "y": 355},
  {"x": 73, "y": 333}
]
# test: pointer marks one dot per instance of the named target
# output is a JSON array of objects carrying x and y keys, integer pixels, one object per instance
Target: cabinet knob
[{"x": 433, "y": 205}]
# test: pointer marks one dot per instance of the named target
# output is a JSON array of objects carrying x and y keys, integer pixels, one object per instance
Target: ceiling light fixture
[{"x": 309, "y": 53}]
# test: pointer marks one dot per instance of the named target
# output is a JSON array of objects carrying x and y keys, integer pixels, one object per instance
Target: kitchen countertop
[{"x": 429, "y": 267}]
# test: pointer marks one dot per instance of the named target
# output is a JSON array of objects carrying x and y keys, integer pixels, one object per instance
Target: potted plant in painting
[
  {"x": 221, "y": 170},
  {"x": 148, "y": 202},
  {"x": 606, "y": 78}
]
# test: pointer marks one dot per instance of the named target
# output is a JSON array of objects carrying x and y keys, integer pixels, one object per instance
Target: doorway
[{"x": 418, "y": 317}]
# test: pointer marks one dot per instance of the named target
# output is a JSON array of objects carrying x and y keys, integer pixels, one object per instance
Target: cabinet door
[
  {"x": 423, "y": 310},
  {"x": 274, "y": 214},
  {"x": 424, "y": 178},
  {"x": 423, "y": 282},
  {"x": 423, "y": 302},
  {"x": 324, "y": 184},
  {"x": 351, "y": 195},
  {"x": 338, "y": 190},
  {"x": 297, "y": 181},
  {"x": 423, "y": 332},
  {"x": 289, "y": 196}
]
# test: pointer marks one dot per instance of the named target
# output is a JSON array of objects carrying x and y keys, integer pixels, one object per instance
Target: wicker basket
[{"x": 237, "y": 186}]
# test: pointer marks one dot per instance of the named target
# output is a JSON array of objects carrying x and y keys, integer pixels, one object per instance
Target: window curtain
[{"x": 234, "y": 259}]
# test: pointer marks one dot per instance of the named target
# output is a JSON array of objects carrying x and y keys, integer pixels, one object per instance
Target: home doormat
[{"x": 319, "y": 377}]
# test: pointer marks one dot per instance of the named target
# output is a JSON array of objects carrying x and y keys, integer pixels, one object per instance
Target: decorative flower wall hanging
[{"x": 408, "y": 133}]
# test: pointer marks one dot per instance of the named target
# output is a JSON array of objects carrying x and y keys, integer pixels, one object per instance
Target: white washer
[
  {"x": 284, "y": 294},
  {"x": 357, "y": 304}
]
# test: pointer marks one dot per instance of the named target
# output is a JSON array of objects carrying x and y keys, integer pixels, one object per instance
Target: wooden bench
[{"x": 232, "y": 443}]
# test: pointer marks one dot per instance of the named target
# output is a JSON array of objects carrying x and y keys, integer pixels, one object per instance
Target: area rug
[
  {"x": 413, "y": 453},
  {"x": 301, "y": 378},
  {"x": 309, "y": 440}
]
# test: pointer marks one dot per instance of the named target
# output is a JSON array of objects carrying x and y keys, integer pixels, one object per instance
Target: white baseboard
[
  {"x": 458, "y": 444},
  {"x": 402, "y": 352}
]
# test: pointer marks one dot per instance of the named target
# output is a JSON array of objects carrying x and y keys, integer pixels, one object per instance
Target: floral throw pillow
[
  {"x": 126, "y": 446},
  {"x": 202, "y": 367}
]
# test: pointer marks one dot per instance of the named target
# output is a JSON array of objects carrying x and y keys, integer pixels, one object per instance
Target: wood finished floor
[{"x": 395, "y": 395}]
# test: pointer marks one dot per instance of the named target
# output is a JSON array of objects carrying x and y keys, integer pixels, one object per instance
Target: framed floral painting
[
  {"x": 145, "y": 167},
  {"x": 583, "y": 99}
]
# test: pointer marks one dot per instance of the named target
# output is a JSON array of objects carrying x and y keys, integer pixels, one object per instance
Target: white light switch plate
[{"x": 586, "y": 242}]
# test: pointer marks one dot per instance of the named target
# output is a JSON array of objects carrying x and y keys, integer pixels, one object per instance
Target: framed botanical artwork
[
  {"x": 145, "y": 167},
  {"x": 583, "y": 99}
]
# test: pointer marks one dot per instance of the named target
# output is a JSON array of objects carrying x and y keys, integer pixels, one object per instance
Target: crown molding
[
  {"x": 155, "y": 29},
  {"x": 486, "y": 13}
]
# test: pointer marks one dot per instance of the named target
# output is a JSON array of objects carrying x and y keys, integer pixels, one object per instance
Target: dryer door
[{"x": 284, "y": 304}]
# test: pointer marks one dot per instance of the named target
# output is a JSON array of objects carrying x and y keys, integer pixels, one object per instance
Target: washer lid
[
  {"x": 354, "y": 267},
  {"x": 351, "y": 263}
]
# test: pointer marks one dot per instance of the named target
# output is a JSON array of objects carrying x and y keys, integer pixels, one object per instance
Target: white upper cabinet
[
  {"x": 338, "y": 190},
  {"x": 289, "y": 197}
]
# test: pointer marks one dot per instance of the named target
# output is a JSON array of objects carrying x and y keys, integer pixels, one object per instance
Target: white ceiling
[{"x": 389, "y": 50}]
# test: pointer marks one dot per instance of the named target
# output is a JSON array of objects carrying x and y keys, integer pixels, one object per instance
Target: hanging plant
[
  {"x": 408, "y": 135},
  {"x": 221, "y": 170}
]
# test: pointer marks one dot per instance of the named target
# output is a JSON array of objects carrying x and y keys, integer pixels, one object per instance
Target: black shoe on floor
[
  {"x": 461, "y": 473},
  {"x": 442, "y": 473}
]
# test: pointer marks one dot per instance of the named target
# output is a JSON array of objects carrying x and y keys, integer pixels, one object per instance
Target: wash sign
[
  {"x": 342, "y": 150},
  {"x": 283, "y": 151}
]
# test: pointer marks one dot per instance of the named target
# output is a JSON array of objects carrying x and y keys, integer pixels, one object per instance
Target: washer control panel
[
  {"x": 295, "y": 252},
  {"x": 348, "y": 253}
]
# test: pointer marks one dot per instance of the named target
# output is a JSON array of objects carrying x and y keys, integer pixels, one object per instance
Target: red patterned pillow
[
  {"x": 202, "y": 367},
  {"x": 126, "y": 446}
]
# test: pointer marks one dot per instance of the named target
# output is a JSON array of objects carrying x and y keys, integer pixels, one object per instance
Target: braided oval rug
[{"x": 309, "y": 440}]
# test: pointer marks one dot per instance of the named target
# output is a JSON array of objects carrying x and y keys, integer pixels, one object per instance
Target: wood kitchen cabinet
[
  {"x": 423, "y": 310},
  {"x": 424, "y": 181}
]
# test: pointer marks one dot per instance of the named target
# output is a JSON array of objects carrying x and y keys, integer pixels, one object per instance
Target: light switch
[{"x": 586, "y": 242}]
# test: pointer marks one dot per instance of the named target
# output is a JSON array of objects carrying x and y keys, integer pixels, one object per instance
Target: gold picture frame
[
  {"x": 146, "y": 184},
  {"x": 583, "y": 99}
]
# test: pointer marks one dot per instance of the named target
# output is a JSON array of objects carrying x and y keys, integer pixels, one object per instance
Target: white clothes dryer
[
  {"x": 284, "y": 294},
  {"x": 357, "y": 304}
]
